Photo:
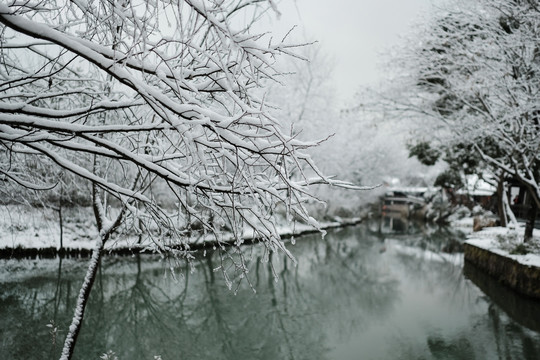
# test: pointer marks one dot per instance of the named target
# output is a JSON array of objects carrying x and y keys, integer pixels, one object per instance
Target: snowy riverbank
[
  {"x": 501, "y": 253},
  {"x": 33, "y": 231},
  {"x": 508, "y": 242},
  {"x": 504, "y": 241}
]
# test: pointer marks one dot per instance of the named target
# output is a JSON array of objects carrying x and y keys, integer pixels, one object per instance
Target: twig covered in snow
[{"x": 153, "y": 98}]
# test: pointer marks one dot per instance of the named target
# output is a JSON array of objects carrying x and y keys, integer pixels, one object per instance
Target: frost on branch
[
  {"x": 476, "y": 74},
  {"x": 147, "y": 99},
  {"x": 157, "y": 107}
]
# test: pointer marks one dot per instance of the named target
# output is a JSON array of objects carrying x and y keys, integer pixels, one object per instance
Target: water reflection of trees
[
  {"x": 28, "y": 306},
  {"x": 513, "y": 320},
  {"x": 341, "y": 287},
  {"x": 420, "y": 234},
  {"x": 351, "y": 289},
  {"x": 144, "y": 312},
  {"x": 489, "y": 337},
  {"x": 489, "y": 332}
]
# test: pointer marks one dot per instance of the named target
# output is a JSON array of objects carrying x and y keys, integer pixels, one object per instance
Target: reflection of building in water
[
  {"x": 393, "y": 223},
  {"x": 404, "y": 202},
  {"x": 390, "y": 224}
]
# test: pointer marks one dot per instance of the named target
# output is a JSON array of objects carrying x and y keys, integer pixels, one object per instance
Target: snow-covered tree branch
[
  {"x": 133, "y": 95},
  {"x": 476, "y": 70}
]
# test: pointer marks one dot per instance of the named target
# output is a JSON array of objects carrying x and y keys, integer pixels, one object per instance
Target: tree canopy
[
  {"x": 474, "y": 72},
  {"x": 132, "y": 96}
]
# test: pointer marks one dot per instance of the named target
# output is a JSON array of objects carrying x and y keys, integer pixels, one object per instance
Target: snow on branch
[
  {"x": 156, "y": 111},
  {"x": 110, "y": 92}
]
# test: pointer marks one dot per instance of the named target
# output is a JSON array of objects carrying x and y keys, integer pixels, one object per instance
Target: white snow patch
[
  {"x": 500, "y": 241},
  {"x": 477, "y": 187},
  {"x": 465, "y": 223},
  {"x": 31, "y": 228}
]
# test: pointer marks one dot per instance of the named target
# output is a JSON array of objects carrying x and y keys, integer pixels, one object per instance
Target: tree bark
[
  {"x": 61, "y": 223},
  {"x": 510, "y": 216},
  {"x": 84, "y": 294},
  {"x": 500, "y": 201},
  {"x": 531, "y": 218}
]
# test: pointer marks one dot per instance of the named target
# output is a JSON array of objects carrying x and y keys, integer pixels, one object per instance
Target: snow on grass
[
  {"x": 464, "y": 223},
  {"x": 38, "y": 228},
  {"x": 508, "y": 242}
]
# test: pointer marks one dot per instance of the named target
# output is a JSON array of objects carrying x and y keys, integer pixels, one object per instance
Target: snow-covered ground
[
  {"x": 464, "y": 224},
  {"x": 505, "y": 241},
  {"x": 508, "y": 242},
  {"x": 36, "y": 228},
  {"x": 33, "y": 228}
]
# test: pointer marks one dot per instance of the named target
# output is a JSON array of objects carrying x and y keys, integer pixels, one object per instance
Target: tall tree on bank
[
  {"x": 478, "y": 65},
  {"x": 131, "y": 95}
]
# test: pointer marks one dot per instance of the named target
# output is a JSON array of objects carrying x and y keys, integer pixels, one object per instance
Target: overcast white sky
[{"x": 352, "y": 32}]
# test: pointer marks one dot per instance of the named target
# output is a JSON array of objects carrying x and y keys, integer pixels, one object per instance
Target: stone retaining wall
[
  {"x": 522, "y": 278},
  {"x": 522, "y": 309}
]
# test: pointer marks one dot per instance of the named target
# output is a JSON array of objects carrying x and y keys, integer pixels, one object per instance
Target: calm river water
[{"x": 359, "y": 293}]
